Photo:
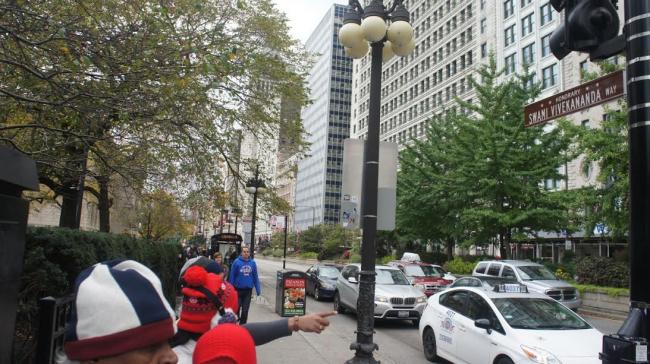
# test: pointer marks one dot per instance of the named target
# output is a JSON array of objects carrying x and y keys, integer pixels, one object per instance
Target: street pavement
[{"x": 399, "y": 342}]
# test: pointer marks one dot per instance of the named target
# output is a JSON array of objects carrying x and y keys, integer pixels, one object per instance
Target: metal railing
[{"x": 53, "y": 314}]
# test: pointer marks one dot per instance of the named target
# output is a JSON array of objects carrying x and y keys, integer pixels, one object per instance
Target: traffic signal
[{"x": 588, "y": 25}]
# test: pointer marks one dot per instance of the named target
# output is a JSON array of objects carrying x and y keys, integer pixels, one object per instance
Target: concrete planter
[{"x": 606, "y": 304}]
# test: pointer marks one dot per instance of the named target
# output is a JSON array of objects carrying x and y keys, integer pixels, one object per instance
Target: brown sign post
[{"x": 581, "y": 97}]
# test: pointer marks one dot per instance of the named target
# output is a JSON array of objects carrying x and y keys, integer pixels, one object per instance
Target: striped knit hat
[{"x": 119, "y": 306}]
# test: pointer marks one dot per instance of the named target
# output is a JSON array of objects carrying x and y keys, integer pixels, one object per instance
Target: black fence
[{"x": 53, "y": 314}]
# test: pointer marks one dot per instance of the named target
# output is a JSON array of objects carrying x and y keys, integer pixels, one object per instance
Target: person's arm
[{"x": 264, "y": 332}]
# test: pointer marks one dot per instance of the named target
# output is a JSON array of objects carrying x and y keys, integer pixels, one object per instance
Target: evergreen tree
[{"x": 478, "y": 175}]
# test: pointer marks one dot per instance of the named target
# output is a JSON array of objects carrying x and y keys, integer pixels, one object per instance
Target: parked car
[
  {"x": 486, "y": 282},
  {"x": 395, "y": 297},
  {"x": 423, "y": 276},
  {"x": 505, "y": 325},
  {"x": 321, "y": 280},
  {"x": 533, "y": 275}
]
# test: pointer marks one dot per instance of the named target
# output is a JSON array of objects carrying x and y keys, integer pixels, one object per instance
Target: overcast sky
[{"x": 304, "y": 15}]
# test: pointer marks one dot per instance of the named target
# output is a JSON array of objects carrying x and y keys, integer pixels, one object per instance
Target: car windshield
[
  {"x": 439, "y": 270},
  {"x": 421, "y": 271},
  {"x": 535, "y": 273},
  {"x": 391, "y": 276},
  {"x": 328, "y": 272},
  {"x": 538, "y": 314}
]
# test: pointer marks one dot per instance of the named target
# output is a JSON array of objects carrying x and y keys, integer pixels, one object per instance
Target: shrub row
[
  {"x": 602, "y": 271},
  {"x": 55, "y": 256},
  {"x": 459, "y": 266}
]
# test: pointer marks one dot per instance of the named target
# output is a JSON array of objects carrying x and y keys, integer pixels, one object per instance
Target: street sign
[{"x": 581, "y": 97}]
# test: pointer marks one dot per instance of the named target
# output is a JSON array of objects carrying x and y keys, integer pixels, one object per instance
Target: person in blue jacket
[{"x": 243, "y": 275}]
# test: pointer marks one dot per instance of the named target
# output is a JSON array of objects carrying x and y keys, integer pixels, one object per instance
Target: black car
[
  {"x": 321, "y": 280},
  {"x": 483, "y": 282}
]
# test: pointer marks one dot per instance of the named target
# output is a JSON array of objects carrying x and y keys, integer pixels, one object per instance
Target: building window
[
  {"x": 483, "y": 25},
  {"x": 508, "y": 8},
  {"x": 525, "y": 2},
  {"x": 549, "y": 76},
  {"x": 546, "y": 14},
  {"x": 546, "y": 45},
  {"x": 510, "y": 63},
  {"x": 482, "y": 4},
  {"x": 528, "y": 54},
  {"x": 527, "y": 24},
  {"x": 585, "y": 123},
  {"x": 509, "y": 35},
  {"x": 584, "y": 68},
  {"x": 484, "y": 50}
]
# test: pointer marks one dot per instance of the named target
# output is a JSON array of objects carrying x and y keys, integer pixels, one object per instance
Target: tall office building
[
  {"x": 416, "y": 87},
  {"x": 326, "y": 120},
  {"x": 453, "y": 39}
]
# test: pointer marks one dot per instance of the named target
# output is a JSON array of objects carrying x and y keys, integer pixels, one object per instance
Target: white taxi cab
[{"x": 505, "y": 324}]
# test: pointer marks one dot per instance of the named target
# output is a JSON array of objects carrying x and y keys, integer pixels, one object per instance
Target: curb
[
  {"x": 596, "y": 312},
  {"x": 298, "y": 260}
]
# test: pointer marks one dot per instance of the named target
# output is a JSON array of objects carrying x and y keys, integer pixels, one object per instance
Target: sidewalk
[
  {"x": 329, "y": 347},
  {"x": 300, "y": 347}
]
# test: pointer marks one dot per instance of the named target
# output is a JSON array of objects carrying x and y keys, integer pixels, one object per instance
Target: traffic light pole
[{"x": 637, "y": 32}]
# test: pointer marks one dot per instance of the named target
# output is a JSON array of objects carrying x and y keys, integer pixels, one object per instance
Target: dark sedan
[{"x": 321, "y": 280}]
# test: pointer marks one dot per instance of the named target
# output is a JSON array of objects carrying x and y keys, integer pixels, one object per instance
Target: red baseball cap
[{"x": 225, "y": 343}]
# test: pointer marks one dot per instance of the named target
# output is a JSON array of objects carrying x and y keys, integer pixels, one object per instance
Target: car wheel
[
  {"x": 505, "y": 360},
  {"x": 429, "y": 344},
  {"x": 338, "y": 307},
  {"x": 316, "y": 294}
]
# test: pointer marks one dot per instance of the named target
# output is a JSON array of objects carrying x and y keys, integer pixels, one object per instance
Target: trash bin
[{"x": 290, "y": 297}]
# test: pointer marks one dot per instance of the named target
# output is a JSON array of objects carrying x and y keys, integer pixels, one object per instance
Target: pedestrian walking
[
  {"x": 243, "y": 275},
  {"x": 218, "y": 258}
]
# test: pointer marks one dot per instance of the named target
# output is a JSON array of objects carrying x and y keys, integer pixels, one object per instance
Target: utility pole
[{"x": 592, "y": 26}]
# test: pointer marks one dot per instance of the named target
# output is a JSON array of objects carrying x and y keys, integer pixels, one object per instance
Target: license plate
[{"x": 402, "y": 314}]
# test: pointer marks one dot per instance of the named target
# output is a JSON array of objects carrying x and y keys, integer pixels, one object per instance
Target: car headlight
[
  {"x": 421, "y": 287},
  {"x": 381, "y": 299},
  {"x": 541, "y": 356},
  {"x": 327, "y": 285},
  {"x": 421, "y": 299}
]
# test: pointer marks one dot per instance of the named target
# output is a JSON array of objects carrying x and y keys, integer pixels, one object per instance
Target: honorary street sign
[{"x": 578, "y": 98}]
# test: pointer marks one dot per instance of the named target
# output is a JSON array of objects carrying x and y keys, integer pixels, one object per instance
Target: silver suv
[
  {"x": 395, "y": 297},
  {"x": 535, "y": 276}
]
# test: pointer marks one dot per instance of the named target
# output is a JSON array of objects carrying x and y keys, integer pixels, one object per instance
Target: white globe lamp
[
  {"x": 387, "y": 52},
  {"x": 405, "y": 49},
  {"x": 350, "y": 35},
  {"x": 358, "y": 51},
  {"x": 400, "y": 32},
  {"x": 374, "y": 28}
]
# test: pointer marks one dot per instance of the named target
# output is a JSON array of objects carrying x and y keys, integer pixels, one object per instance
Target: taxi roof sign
[
  {"x": 510, "y": 288},
  {"x": 411, "y": 257}
]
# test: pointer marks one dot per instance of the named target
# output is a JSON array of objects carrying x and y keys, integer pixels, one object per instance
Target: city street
[{"x": 399, "y": 342}]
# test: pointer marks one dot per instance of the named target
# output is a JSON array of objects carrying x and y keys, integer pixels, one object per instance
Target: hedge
[
  {"x": 55, "y": 256},
  {"x": 459, "y": 266},
  {"x": 602, "y": 271}
]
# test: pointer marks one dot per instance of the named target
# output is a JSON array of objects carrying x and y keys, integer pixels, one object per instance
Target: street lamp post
[
  {"x": 254, "y": 186},
  {"x": 236, "y": 211},
  {"x": 385, "y": 41}
]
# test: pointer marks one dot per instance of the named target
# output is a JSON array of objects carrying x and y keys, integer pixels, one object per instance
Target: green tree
[
  {"x": 479, "y": 174},
  {"x": 607, "y": 147},
  {"x": 159, "y": 217},
  {"x": 84, "y": 82}
]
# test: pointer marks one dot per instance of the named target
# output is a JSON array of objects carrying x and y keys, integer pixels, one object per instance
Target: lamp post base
[
  {"x": 363, "y": 353},
  {"x": 362, "y": 360}
]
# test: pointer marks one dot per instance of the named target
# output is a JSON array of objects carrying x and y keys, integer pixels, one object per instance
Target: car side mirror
[
  {"x": 353, "y": 279},
  {"x": 483, "y": 323}
]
